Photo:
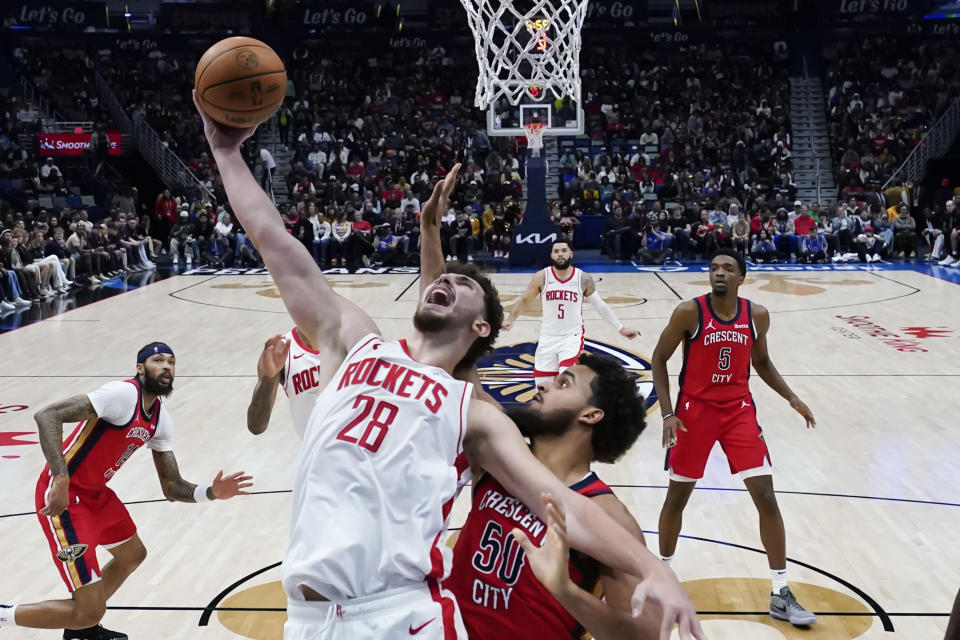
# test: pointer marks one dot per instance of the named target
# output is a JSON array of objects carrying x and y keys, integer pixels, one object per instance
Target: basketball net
[
  {"x": 538, "y": 45},
  {"x": 534, "y": 137}
]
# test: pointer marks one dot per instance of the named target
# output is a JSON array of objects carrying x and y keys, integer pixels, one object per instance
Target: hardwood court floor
[{"x": 869, "y": 497}]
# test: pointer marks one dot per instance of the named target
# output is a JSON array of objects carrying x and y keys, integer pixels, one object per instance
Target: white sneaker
[
  {"x": 63, "y": 289},
  {"x": 7, "y": 306},
  {"x": 46, "y": 292},
  {"x": 948, "y": 261},
  {"x": 449, "y": 258},
  {"x": 20, "y": 302},
  {"x": 956, "y": 263},
  {"x": 470, "y": 258}
]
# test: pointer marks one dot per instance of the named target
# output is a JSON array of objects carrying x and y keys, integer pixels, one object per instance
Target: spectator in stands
[
  {"x": 49, "y": 171},
  {"x": 952, "y": 227},
  {"x": 932, "y": 233},
  {"x": 386, "y": 248},
  {"x": 740, "y": 233},
  {"x": 905, "y": 233},
  {"x": 763, "y": 249},
  {"x": 784, "y": 234},
  {"x": 34, "y": 278},
  {"x": 56, "y": 246},
  {"x": 870, "y": 247},
  {"x": 361, "y": 238},
  {"x": 10, "y": 286},
  {"x": 340, "y": 240},
  {"x": 498, "y": 235},
  {"x": 680, "y": 229},
  {"x": 59, "y": 283},
  {"x": 813, "y": 248},
  {"x": 462, "y": 243},
  {"x": 656, "y": 242},
  {"x": 165, "y": 213},
  {"x": 182, "y": 242},
  {"x": 269, "y": 165}
]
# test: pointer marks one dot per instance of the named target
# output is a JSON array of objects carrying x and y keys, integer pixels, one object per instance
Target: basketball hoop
[
  {"x": 534, "y": 137},
  {"x": 518, "y": 48}
]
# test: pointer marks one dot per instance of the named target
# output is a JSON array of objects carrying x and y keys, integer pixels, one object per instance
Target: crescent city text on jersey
[
  {"x": 396, "y": 379},
  {"x": 726, "y": 336}
]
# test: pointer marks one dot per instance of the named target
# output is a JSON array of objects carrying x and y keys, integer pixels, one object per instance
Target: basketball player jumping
[
  {"x": 722, "y": 335},
  {"x": 76, "y": 509},
  {"x": 389, "y": 444},
  {"x": 289, "y": 362},
  {"x": 589, "y": 412},
  {"x": 562, "y": 289}
]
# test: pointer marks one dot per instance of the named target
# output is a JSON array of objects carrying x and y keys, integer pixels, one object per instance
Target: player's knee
[{"x": 88, "y": 614}]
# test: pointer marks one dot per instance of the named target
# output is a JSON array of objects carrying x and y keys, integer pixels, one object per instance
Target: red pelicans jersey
[
  {"x": 716, "y": 358},
  {"x": 562, "y": 304},
  {"x": 301, "y": 380},
  {"x": 97, "y": 448},
  {"x": 499, "y": 596}
]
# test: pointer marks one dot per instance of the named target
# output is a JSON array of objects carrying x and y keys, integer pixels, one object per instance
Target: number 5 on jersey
[{"x": 376, "y": 428}]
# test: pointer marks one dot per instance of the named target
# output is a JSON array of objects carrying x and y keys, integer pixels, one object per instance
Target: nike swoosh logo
[
  {"x": 298, "y": 356},
  {"x": 415, "y": 630}
]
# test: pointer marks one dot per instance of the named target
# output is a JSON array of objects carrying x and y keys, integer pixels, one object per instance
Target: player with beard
[
  {"x": 390, "y": 442},
  {"x": 510, "y": 587},
  {"x": 723, "y": 335},
  {"x": 562, "y": 289},
  {"x": 76, "y": 509}
]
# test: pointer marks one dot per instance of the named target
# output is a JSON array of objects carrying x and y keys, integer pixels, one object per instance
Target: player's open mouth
[
  {"x": 440, "y": 296},
  {"x": 166, "y": 378}
]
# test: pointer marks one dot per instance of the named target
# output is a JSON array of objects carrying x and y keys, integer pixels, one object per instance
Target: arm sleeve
[
  {"x": 162, "y": 440},
  {"x": 604, "y": 310},
  {"x": 114, "y": 402}
]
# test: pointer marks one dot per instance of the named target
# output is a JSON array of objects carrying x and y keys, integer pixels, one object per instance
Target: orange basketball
[{"x": 240, "y": 81}]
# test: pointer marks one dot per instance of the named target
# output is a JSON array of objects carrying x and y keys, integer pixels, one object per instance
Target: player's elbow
[{"x": 256, "y": 427}]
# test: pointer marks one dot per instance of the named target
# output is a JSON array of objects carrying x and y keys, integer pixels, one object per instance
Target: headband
[{"x": 146, "y": 352}]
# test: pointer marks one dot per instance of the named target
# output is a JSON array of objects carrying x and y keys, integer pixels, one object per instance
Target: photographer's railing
[
  {"x": 33, "y": 96},
  {"x": 168, "y": 165},
  {"x": 935, "y": 143}
]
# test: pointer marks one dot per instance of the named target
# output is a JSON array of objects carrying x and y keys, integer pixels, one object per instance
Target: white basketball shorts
[{"x": 556, "y": 353}]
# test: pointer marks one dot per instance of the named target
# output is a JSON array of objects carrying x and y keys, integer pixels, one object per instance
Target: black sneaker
[{"x": 96, "y": 632}]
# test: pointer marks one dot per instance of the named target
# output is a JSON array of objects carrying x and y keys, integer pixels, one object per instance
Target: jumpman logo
[
  {"x": 709, "y": 325},
  {"x": 744, "y": 403}
]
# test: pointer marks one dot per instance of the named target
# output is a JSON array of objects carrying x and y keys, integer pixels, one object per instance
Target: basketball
[{"x": 240, "y": 81}]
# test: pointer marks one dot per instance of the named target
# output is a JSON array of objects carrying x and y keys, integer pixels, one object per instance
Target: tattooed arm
[
  {"x": 50, "y": 421},
  {"x": 176, "y": 489}
]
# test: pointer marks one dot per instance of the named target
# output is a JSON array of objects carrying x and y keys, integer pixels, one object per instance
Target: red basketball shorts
[
  {"x": 733, "y": 424},
  {"x": 93, "y": 517}
]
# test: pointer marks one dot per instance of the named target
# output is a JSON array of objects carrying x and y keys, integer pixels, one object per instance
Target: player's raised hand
[
  {"x": 670, "y": 427},
  {"x": 434, "y": 207},
  {"x": 630, "y": 334},
  {"x": 507, "y": 325},
  {"x": 219, "y": 136},
  {"x": 551, "y": 562},
  {"x": 663, "y": 588},
  {"x": 232, "y": 485},
  {"x": 273, "y": 357},
  {"x": 800, "y": 407}
]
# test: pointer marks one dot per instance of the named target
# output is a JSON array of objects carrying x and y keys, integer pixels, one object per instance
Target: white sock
[
  {"x": 7, "y": 615},
  {"x": 779, "y": 579},
  {"x": 667, "y": 560}
]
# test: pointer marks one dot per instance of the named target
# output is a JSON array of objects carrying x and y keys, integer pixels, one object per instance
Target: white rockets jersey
[
  {"x": 562, "y": 304},
  {"x": 301, "y": 380},
  {"x": 381, "y": 463}
]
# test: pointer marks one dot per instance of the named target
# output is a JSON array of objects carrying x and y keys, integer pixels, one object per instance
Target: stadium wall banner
[
  {"x": 847, "y": 9},
  {"x": 202, "y": 17},
  {"x": 737, "y": 10},
  {"x": 334, "y": 15},
  {"x": 73, "y": 144},
  {"x": 56, "y": 14},
  {"x": 615, "y": 13}
]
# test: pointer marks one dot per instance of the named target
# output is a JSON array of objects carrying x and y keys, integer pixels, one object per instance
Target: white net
[
  {"x": 519, "y": 46},
  {"x": 534, "y": 137}
]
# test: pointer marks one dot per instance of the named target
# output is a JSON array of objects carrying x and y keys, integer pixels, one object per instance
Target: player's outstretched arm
[
  {"x": 608, "y": 618},
  {"x": 760, "y": 359},
  {"x": 493, "y": 442},
  {"x": 50, "y": 421},
  {"x": 534, "y": 288},
  {"x": 269, "y": 377},
  {"x": 329, "y": 320},
  {"x": 593, "y": 297},
  {"x": 432, "y": 264},
  {"x": 684, "y": 320},
  {"x": 176, "y": 489}
]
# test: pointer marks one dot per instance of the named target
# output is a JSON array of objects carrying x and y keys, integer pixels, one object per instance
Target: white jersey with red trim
[
  {"x": 562, "y": 303},
  {"x": 381, "y": 463},
  {"x": 301, "y": 380}
]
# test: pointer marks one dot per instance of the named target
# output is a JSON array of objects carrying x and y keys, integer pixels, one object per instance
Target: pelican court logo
[{"x": 507, "y": 375}]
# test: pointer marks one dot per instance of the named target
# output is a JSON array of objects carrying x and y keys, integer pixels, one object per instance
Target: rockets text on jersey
[
  {"x": 301, "y": 380},
  {"x": 97, "y": 449},
  {"x": 716, "y": 358},
  {"x": 499, "y": 596},
  {"x": 382, "y": 457},
  {"x": 562, "y": 302}
]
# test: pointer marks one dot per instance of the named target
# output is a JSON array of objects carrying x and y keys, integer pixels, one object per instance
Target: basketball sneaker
[
  {"x": 784, "y": 606},
  {"x": 93, "y": 633}
]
